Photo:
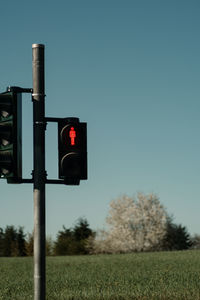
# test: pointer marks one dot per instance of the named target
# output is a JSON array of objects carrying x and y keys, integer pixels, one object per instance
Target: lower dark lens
[{"x": 71, "y": 165}]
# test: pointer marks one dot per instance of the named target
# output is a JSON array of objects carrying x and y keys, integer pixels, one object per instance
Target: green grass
[{"x": 164, "y": 275}]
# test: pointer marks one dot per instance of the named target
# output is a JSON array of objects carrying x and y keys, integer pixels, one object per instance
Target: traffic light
[
  {"x": 72, "y": 150},
  {"x": 11, "y": 136}
]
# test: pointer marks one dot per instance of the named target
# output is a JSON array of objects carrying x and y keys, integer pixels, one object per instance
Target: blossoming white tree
[{"x": 135, "y": 224}]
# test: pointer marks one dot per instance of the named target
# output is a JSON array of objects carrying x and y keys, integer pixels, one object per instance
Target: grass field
[{"x": 164, "y": 275}]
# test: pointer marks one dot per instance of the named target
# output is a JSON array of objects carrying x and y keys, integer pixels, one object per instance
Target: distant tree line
[
  {"x": 71, "y": 241},
  {"x": 134, "y": 225},
  {"x": 74, "y": 241},
  {"x": 12, "y": 242}
]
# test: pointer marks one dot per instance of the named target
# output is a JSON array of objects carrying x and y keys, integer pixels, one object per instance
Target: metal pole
[{"x": 39, "y": 173}]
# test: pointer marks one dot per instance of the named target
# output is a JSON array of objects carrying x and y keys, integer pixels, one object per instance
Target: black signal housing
[
  {"x": 11, "y": 136},
  {"x": 72, "y": 150}
]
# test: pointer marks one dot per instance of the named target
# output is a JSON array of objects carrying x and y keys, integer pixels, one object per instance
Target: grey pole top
[{"x": 37, "y": 45}]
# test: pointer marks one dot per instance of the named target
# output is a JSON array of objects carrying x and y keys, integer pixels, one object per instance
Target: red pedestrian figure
[{"x": 72, "y": 135}]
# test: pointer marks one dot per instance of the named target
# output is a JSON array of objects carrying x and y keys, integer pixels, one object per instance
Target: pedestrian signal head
[{"x": 72, "y": 150}]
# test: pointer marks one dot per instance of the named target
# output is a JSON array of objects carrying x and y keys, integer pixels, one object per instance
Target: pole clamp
[{"x": 42, "y": 124}]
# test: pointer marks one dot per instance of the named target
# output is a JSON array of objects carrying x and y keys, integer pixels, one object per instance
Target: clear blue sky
[{"x": 131, "y": 70}]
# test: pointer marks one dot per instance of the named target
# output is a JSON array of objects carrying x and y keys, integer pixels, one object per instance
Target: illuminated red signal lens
[{"x": 72, "y": 135}]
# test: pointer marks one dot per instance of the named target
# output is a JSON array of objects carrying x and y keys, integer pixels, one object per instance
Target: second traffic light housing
[
  {"x": 72, "y": 150},
  {"x": 11, "y": 136}
]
